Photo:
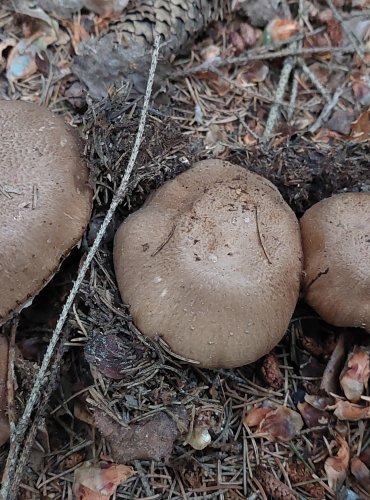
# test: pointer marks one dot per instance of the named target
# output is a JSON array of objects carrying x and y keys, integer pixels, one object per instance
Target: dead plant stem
[{"x": 42, "y": 375}]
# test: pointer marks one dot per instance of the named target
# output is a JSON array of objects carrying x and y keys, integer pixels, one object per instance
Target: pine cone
[{"x": 125, "y": 54}]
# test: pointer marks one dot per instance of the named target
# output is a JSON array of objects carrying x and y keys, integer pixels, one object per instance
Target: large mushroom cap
[
  {"x": 45, "y": 199},
  {"x": 336, "y": 247},
  {"x": 212, "y": 265}
]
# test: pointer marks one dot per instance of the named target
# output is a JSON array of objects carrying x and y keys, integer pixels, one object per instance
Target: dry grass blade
[{"x": 23, "y": 424}]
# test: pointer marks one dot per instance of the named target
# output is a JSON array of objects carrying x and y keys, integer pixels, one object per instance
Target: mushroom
[
  {"x": 45, "y": 200},
  {"x": 336, "y": 248},
  {"x": 211, "y": 264}
]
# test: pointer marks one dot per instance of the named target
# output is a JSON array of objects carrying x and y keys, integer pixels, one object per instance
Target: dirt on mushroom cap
[
  {"x": 336, "y": 246},
  {"x": 45, "y": 199},
  {"x": 212, "y": 265}
]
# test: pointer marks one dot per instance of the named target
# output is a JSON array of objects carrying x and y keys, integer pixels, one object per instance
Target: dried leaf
[
  {"x": 254, "y": 73},
  {"x": 361, "y": 91},
  {"x": 355, "y": 375},
  {"x": 258, "y": 413},
  {"x": 99, "y": 482},
  {"x": 271, "y": 372},
  {"x": 334, "y": 31},
  {"x": 313, "y": 417},
  {"x": 361, "y": 127},
  {"x": 273, "y": 486},
  {"x": 152, "y": 439},
  {"x": 341, "y": 121},
  {"x": 21, "y": 61},
  {"x": 279, "y": 424},
  {"x": 298, "y": 473},
  {"x": 344, "y": 410},
  {"x": 336, "y": 467},
  {"x": 361, "y": 473},
  {"x": 281, "y": 30}
]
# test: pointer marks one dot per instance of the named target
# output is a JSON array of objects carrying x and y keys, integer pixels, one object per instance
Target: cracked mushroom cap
[
  {"x": 212, "y": 263},
  {"x": 45, "y": 200},
  {"x": 336, "y": 247}
]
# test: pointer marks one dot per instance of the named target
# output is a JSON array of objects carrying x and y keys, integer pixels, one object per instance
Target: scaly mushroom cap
[
  {"x": 212, "y": 264},
  {"x": 336, "y": 247},
  {"x": 45, "y": 199}
]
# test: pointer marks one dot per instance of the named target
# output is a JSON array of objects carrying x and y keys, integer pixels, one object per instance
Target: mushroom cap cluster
[
  {"x": 212, "y": 265},
  {"x": 45, "y": 200},
  {"x": 336, "y": 247}
]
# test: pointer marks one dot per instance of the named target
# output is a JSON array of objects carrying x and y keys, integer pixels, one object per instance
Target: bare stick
[
  {"x": 311, "y": 75},
  {"x": 327, "y": 109},
  {"x": 356, "y": 44},
  {"x": 288, "y": 66},
  {"x": 41, "y": 377},
  {"x": 253, "y": 56}
]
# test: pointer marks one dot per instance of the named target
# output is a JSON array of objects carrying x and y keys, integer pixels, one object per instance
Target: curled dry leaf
[
  {"x": 313, "y": 417},
  {"x": 4, "y": 420},
  {"x": 21, "y": 62},
  {"x": 279, "y": 424},
  {"x": 281, "y": 30},
  {"x": 100, "y": 481},
  {"x": 152, "y": 439},
  {"x": 273, "y": 487},
  {"x": 344, "y": 410},
  {"x": 271, "y": 372},
  {"x": 336, "y": 467},
  {"x": 298, "y": 473},
  {"x": 253, "y": 73},
  {"x": 361, "y": 473},
  {"x": 355, "y": 375},
  {"x": 258, "y": 413}
]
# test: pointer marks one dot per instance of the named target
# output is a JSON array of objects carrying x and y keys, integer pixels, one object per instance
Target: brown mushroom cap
[
  {"x": 336, "y": 247},
  {"x": 45, "y": 199},
  {"x": 212, "y": 264}
]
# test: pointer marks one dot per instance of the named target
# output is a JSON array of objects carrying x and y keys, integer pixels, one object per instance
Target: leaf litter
[{"x": 217, "y": 109}]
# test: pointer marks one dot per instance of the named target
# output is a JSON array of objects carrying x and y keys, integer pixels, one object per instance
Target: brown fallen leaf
[
  {"x": 355, "y": 375},
  {"x": 336, "y": 467},
  {"x": 313, "y": 417},
  {"x": 281, "y": 30},
  {"x": 298, "y": 473},
  {"x": 152, "y": 439},
  {"x": 271, "y": 372},
  {"x": 365, "y": 456},
  {"x": 100, "y": 481},
  {"x": 273, "y": 487},
  {"x": 279, "y": 424},
  {"x": 259, "y": 411},
  {"x": 361, "y": 127},
  {"x": 361, "y": 473},
  {"x": 344, "y": 410}
]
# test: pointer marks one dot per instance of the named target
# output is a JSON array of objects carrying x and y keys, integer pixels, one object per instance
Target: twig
[
  {"x": 288, "y": 66},
  {"x": 327, "y": 109},
  {"x": 320, "y": 87},
  {"x": 42, "y": 374},
  {"x": 356, "y": 44},
  {"x": 293, "y": 96},
  {"x": 218, "y": 62}
]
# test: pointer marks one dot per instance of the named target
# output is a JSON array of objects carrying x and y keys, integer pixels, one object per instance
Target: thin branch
[
  {"x": 327, "y": 109},
  {"x": 253, "y": 56},
  {"x": 311, "y": 75},
  {"x": 41, "y": 377},
  {"x": 288, "y": 66},
  {"x": 356, "y": 44}
]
